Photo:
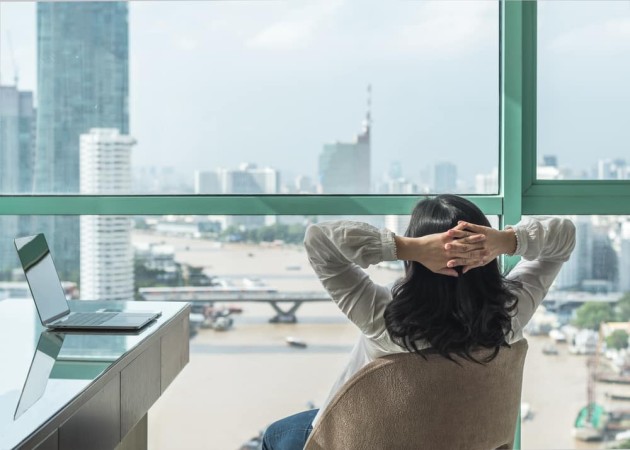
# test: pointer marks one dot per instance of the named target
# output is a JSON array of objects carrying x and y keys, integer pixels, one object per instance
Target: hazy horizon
[{"x": 220, "y": 83}]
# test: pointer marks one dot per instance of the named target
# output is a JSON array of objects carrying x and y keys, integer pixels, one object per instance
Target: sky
[{"x": 270, "y": 82}]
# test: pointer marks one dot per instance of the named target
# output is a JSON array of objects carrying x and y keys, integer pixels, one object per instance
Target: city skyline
[
  {"x": 220, "y": 44},
  {"x": 86, "y": 76},
  {"x": 296, "y": 104}
]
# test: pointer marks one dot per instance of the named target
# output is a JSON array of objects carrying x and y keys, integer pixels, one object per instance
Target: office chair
[{"x": 403, "y": 401}]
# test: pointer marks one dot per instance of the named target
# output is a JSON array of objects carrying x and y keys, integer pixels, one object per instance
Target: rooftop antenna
[
  {"x": 368, "y": 117},
  {"x": 16, "y": 69}
]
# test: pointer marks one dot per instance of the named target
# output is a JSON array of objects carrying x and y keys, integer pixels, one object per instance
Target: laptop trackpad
[{"x": 128, "y": 321}]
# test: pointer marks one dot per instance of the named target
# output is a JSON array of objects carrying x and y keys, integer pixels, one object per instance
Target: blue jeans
[{"x": 289, "y": 433}]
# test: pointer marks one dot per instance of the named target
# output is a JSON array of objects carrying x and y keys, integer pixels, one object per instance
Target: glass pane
[
  {"x": 249, "y": 97},
  {"x": 583, "y": 90},
  {"x": 563, "y": 372},
  {"x": 243, "y": 373}
]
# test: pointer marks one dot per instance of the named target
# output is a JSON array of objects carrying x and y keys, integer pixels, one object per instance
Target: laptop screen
[{"x": 42, "y": 277}]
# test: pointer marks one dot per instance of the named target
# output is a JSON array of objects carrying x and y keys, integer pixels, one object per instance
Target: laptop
[
  {"x": 50, "y": 299},
  {"x": 44, "y": 359}
]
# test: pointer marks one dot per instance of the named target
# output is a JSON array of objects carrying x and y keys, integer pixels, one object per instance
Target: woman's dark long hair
[{"x": 454, "y": 315}]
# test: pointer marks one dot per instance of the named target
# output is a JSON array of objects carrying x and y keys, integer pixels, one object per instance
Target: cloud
[
  {"x": 606, "y": 37},
  {"x": 447, "y": 28},
  {"x": 187, "y": 43},
  {"x": 297, "y": 30}
]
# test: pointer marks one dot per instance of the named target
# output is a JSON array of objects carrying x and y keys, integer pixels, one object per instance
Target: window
[
  {"x": 251, "y": 97},
  {"x": 442, "y": 109},
  {"x": 583, "y": 93}
]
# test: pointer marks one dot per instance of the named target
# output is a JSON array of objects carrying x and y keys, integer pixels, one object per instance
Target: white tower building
[{"x": 107, "y": 271}]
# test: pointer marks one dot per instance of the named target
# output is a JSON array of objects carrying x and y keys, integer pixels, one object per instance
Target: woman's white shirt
[{"x": 339, "y": 251}]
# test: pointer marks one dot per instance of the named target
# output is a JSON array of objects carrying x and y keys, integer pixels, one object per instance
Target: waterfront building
[
  {"x": 605, "y": 264},
  {"x": 345, "y": 167},
  {"x": 580, "y": 266},
  {"x": 82, "y": 83},
  {"x": 17, "y": 147},
  {"x": 107, "y": 271}
]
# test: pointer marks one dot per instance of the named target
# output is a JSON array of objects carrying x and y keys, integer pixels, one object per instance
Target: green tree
[
  {"x": 622, "y": 445},
  {"x": 618, "y": 339},
  {"x": 623, "y": 308},
  {"x": 591, "y": 314}
]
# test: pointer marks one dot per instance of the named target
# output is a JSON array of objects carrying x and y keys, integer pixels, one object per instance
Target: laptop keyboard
[{"x": 87, "y": 319}]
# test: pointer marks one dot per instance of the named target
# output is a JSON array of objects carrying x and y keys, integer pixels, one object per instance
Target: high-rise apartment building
[
  {"x": 82, "y": 83},
  {"x": 624, "y": 257},
  {"x": 344, "y": 167},
  {"x": 445, "y": 178},
  {"x": 579, "y": 267},
  {"x": 107, "y": 271},
  {"x": 17, "y": 148},
  {"x": 613, "y": 169}
]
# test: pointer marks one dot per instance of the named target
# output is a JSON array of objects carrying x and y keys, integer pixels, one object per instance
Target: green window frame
[{"x": 520, "y": 193}]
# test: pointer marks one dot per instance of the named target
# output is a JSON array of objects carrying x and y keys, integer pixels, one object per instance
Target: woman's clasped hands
[{"x": 467, "y": 245}]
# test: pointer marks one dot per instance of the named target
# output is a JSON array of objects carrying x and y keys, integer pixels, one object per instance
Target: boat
[
  {"x": 557, "y": 336},
  {"x": 526, "y": 411},
  {"x": 590, "y": 423},
  {"x": 550, "y": 350},
  {"x": 293, "y": 342},
  {"x": 612, "y": 378}
]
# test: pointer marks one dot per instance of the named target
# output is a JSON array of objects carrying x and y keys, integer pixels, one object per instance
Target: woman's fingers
[
  {"x": 471, "y": 227},
  {"x": 458, "y": 234},
  {"x": 466, "y": 244},
  {"x": 473, "y": 258},
  {"x": 460, "y": 225},
  {"x": 471, "y": 251}
]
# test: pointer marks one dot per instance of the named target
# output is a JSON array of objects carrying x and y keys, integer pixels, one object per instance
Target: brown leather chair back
[{"x": 403, "y": 401}]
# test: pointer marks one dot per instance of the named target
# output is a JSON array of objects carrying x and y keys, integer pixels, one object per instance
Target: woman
[{"x": 452, "y": 298}]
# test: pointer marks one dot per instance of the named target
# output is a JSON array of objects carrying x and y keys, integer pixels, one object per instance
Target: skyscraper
[
  {"x": 579, "y": 267},
  {"x": 107, "y": 271},
  {"x": 82, "y": 83},
  {"x": 344, "y": 167},
  {"x": 445, "y": 179},
  {"x": 17, "y": 147}
]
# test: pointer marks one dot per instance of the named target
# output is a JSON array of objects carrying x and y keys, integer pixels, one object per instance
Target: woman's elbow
[{"x": 311, "y": 234}]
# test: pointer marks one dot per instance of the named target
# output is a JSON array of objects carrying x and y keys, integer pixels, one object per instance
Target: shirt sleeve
[
  {"x": 544, "y": 245},
  {"x": 337, "y": 251}
]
